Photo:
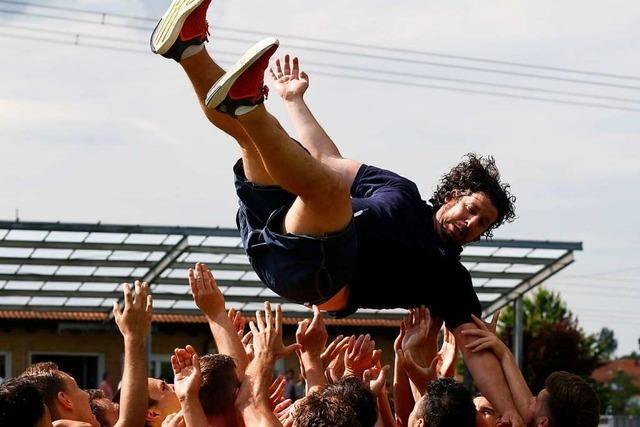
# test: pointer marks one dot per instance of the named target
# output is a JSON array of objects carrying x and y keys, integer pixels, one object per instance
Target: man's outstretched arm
[
  {"x": 291, "y": 84},
  {"x": 488, "y": 376},
  {"x": 485, "y": 339}
]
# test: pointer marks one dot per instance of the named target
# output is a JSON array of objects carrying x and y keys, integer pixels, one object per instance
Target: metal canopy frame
[{"x": 79, "y": 267}]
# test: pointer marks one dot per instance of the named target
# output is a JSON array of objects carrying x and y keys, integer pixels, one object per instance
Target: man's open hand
[
  {"x": 312, "y": 335},
  {"x": 205, "y": 291},
  {"x": 267, "y": 335},
  {"x": 134, "y": 322},
  {"x": 186, "y": 373},
  {"x": 289, "y": 82}
]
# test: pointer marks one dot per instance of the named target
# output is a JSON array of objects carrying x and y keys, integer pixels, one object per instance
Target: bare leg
[
  {"x": 323, "y": 205},
  {"x": 203, "y": 73}
]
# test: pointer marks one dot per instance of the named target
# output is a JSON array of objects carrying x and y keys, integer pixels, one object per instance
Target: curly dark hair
[{"x": 473, "y": 175}]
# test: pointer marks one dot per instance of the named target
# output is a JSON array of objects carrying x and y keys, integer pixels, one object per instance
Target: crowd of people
[
  {"x": 332, "y": 233},
  {"x": 345, "y": 384}
]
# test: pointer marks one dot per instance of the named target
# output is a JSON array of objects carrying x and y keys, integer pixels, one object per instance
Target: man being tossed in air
[{"x": 322, "y": 229}]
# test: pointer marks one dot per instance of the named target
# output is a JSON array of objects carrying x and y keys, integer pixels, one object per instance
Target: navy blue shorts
[{"x": 302, "y": 269}]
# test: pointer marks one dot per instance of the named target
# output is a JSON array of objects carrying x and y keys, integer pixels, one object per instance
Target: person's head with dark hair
[
  {"x": 345, "y": 403},
  {"x": 446, "y": 403},
  {"x": 220, "y": 385},
  {"x": 66, "y": 401},
  {"x": 22, "y": 404},
  {"x": 471, "y": 200},
  {"x": 105, "y": 410},
  {"x": 566, "y": 401}
]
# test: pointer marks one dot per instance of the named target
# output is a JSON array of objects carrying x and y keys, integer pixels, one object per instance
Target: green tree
[{"x": 552, "y": 339}]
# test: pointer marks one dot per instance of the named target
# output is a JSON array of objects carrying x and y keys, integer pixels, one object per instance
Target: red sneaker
[
  {"x": 242, "y": 88},
  {"x": 184, "y": 24}
]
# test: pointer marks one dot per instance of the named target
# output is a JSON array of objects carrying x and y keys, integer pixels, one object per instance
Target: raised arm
[
  {"x": 210, "y": 300},
  {"x": 488, "y": 376},
  {"x": 312, "y": 337},
  {"x": 134, "y": 323},
  {"x": 186, "y": 381},
  {"x": 253, "y": 398},
  {"x": 291, "y": 84},
  {"x": 486, "y": 339}
]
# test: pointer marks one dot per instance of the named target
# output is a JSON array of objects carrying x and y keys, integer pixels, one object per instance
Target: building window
[
  {"x": 86, "y": 368},
  {"x": 5, "y": 366}
]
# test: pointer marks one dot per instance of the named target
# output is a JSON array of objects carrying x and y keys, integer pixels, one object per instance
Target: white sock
[{"x": 191, "y": 50}]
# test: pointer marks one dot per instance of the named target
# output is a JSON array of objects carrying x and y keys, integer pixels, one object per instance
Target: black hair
[
  {"x": 21, "y": 402},
  {"x": 477, "y": 174},
  {"x": 447, "y": 403}
]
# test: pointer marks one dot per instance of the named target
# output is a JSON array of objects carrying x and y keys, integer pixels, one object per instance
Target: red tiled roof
[
  {"x": 604, "y": 374},
  {"x": 84, "y": 316}
]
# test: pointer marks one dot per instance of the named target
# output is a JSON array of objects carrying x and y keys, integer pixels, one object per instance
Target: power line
[
  {"x": 345, "y": 43},
  {"x": 78, "y": 36},
  {"x": 369, "y": 79},
  {"x": 354, "y": 54}
]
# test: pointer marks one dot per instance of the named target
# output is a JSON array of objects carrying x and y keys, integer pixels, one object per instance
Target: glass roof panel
[
  {"x": 186, "y": 305},
  {"x": 26, "y": 235},
  {"x": 163, "y": 303},
  {"x": 113, "y": 271},
  {"x": 67, "y": 236},
  {"x": 30, "y": 286},
  {"x": 106, "y": 237},
  {"x": 61, "y": 286},
  {"x": 52, "y": 253},
  {"x": 47, "y": 301},
  {"x": 242, "y": 291},
  {"x": 221, "y": 241},
  {"x": 84, "y": 302},
  {"x": 513, "y": 252},
  {"x": 100, "y": 287},
  {"x": 150, "y": 239},
  {"x": 11, "y": 300},
  {"x": 8, "y": 268},
  {"x": 171, "y": 289},
  {"x": 202, "y": 257},
  {"x": 37, "y": 269},
  {"x": 296, "y": 307},
  {"x": 90, "y": 254},
  {"x": 129, "y": 255},
  {"x": 15, "y": 252},
  {"x": 74, "y": 271}
]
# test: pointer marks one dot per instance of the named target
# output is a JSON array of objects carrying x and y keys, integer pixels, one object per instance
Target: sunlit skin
[
  {"x": 167, "y": 401},
  {"x": 463, "y": 218},
  {"x": 79, "y": 400},
  {"x": 486, "y": 415}
]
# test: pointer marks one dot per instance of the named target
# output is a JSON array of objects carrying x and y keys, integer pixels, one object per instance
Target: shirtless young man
[{"x": 322, "y": 229}]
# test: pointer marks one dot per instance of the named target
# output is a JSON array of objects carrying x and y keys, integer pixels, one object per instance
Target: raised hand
[
  {"x": 333, "y": 350},
  {"x": 267, "y": 335},
  {"x": 238, "y": 321},
  {"x": 312, "y": 335},
  {"x": 186, "y": 373},
  {"x": 205, "y": 291},
  {"x": 134, "y": 322},
  {"x": 376, "y": 378},
  {"x": 360, "y": 356},
  {"x": 276, "y": 391},
  {"x": 289, "y": 82},
  {"x": 174, "y": 420},
  {"x": 421, "y": 334},
  {"x": 420, "y": 376},
  {"x": 247, "y": 343},
  {"x": 487, "y": 340},
  {"x": 448, "y": 356}
]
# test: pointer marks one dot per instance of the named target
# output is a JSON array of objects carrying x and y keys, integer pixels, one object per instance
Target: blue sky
[{"x": 91, "y": 134}]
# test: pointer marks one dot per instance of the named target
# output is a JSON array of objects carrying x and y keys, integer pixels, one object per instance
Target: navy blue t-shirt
[{"x": 402, "y": 262}]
